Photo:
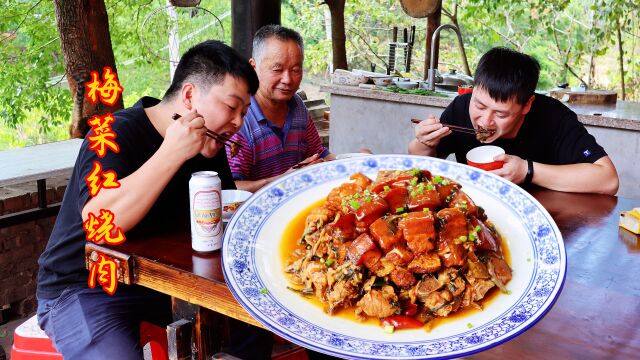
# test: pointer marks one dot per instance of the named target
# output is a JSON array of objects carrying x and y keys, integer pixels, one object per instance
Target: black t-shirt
[
  {"x": 550, "y": 134},
  {"x": 62, "y": 263}
]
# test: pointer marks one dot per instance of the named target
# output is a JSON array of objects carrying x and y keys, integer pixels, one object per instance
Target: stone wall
[{"x": 21, "y": 245}]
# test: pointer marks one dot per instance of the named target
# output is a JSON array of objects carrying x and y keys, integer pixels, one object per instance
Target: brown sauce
[{"x": 293, "y": 233}]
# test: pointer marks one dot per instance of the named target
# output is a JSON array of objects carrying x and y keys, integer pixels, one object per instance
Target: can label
[
  {"x": 205, "y": 199},
  {"x": 207, "y": 213}
]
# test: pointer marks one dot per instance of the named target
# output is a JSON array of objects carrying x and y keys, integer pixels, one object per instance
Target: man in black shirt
[
  {"x": 544, "y": 142},
  {"x": 211, "y": 89}
]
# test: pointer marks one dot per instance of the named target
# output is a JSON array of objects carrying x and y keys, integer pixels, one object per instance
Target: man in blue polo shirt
[{"x": 278, "y": 132}]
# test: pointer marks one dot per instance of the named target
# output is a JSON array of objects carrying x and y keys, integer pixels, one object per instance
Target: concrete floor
[{"x": 6, "y": 336}]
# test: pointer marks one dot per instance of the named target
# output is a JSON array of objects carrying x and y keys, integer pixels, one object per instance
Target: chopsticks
[
  {"x": 461, "y": 129},
  {"x": 212, "y": 134}
]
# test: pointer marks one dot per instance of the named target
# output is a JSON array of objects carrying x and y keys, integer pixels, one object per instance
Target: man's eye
[{"x": 232, "y": 108}]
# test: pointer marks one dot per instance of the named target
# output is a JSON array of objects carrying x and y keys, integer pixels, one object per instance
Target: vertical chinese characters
[{"x": 102, "y": 229}]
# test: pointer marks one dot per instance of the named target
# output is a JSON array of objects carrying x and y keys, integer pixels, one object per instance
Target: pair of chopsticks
[
  {"x": 461, "y": 129},
  {"x": 212, "y": 134}
]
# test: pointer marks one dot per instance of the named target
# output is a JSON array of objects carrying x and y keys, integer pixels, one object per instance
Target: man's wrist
[{"x": 529, "y": 176}]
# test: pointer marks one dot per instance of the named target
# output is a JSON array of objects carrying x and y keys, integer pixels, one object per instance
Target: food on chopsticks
[
  {"x": 234, "y": 149},
  {"x": 482, "y": 134},
  {"x": 407, "y": 248}
]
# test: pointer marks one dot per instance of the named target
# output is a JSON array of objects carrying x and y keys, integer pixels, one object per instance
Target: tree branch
[{"x": 14, "y": 31}]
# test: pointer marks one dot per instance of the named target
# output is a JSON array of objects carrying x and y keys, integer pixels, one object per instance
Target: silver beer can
[{"x": 205, "y": 203}]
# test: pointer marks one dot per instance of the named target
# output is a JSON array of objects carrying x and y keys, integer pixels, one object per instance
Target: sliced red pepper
[
  {"x": 409, "y": 309},
  {"x": 401, "y": 322}
]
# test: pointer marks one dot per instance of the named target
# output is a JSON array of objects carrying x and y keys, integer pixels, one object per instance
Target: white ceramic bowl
[
  {"x": 343, "y": 77},
  {"x": 382, "y": 81},
  {"x": 231, "y": 201},
  {"x": 409, "y": 85}
]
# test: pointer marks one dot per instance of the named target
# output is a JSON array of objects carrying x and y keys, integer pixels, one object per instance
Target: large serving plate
[{"x": 254, "y": 273}]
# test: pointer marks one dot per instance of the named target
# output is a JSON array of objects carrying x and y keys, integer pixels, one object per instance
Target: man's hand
[
  {"x": 514, "y": 168},
  {"x": 430, "y": 131},
  {"x": 185, "y": 137},
  {"x": 313, "y": 159}
]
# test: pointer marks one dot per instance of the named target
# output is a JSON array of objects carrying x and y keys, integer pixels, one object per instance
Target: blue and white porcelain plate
[{"x": 253, "y": 266}]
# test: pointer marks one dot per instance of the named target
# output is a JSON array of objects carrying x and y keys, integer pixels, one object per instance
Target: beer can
[{"x": 205, "y": 203}]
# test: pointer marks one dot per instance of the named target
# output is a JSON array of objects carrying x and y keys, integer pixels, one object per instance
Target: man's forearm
[
  {"x": 254, "y": 185},
  {"x": 137, "y": 192},
  {"x": 599, "y": 177},
  {"x": 418, "y": 148}
]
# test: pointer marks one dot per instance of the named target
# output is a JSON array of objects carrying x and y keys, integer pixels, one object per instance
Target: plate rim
[{"x": 274, "y": 326}]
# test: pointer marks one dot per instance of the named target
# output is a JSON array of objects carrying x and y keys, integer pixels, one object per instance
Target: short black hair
[
  {"x": 207, "y": 64},
  {"x": 274, "y": 31},
  {"x": 506, "y": 73}
]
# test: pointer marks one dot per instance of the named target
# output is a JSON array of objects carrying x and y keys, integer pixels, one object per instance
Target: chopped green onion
[
  {"x": 508, "y": 292},
  {"x": 472, "y": 237},
  {"x": 356, "y": 196},
  {"x": 399, "y": 210},
  {"x": 414, "y": 181},
  {"x": 389, "y": 329},
  {"x": 354, "y": 204},
  {"x": 462, "y": 238},
  {"x": 415, "y": 171},
  {"x": 329, "y": 262},
  {"x": 413, "y": 193},
  {"x": 387, "y": 188},
  {"x": 264, "y": 291},
  {"x": 477, "y": 228},
  {"x": 430, "y": 187},
  {"x": 528, "y": 259},
  {"x": 469, "y": 325},
  {"x": 445, "y": 182},
  {"x": 425, "y": 209},
  {"x": 437, "y": 179},
  {"x": 367, "y": 199}
]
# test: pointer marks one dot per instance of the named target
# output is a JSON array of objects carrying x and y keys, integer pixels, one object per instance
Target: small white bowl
[
  {"x": 482, "y": 157},
  {"x": 231, "y": 201},
  {"x": 382, "y": 81},
  {"x": 409, "y": 85}
]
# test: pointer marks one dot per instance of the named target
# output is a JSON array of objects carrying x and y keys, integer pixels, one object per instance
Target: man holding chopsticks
[
  {"x": 543, "y": 140},
  {"x": 278, "y": 134},
  {"x": 158, "y": 152}
]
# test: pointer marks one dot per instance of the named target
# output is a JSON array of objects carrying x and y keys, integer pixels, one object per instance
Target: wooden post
[
  {"x": 433, "y": 21},
  {"x": 247, "y": 16}
]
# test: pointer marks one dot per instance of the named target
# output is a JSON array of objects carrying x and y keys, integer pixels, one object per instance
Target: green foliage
[{"x": 30, "y": 56}]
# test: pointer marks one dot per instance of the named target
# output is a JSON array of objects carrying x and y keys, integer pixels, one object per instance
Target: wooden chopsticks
[
  {"x": 461, "y": 129},
  {"x": 212, "y": 134}
]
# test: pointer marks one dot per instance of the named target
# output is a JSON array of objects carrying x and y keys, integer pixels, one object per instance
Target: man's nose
[
  {"x": 286, "y": 77},
  {"x": 237, "y": 122}
]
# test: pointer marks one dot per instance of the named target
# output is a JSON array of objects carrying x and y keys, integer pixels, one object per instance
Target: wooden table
[{"x": 596, "y": 316}]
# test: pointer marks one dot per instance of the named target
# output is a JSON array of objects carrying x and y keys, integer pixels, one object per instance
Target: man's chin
[{"x": 210, "y": 152}]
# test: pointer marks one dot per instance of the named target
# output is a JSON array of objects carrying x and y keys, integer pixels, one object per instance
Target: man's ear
[
  {"x": 527, "y": 106},
  {"x": 186, "y": 95},
  {"x": 253, "y": 63}
]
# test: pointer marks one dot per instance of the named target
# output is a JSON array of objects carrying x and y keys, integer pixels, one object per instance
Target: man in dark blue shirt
[
  {"x": 211, "y": 89},
  {"x": 544, "y": 142}
]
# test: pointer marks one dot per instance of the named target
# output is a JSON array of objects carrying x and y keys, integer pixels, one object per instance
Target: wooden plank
[
  {"x": 179, "y": 337},
  {"x": 38, "y": 162},
  {"x": 124, "y": 261}
]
